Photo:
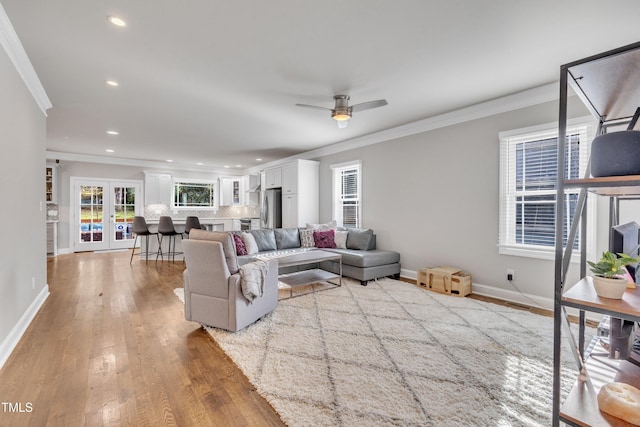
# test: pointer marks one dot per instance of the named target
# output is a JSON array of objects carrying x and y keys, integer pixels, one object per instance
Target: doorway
[{"x": 102, "y": 212}]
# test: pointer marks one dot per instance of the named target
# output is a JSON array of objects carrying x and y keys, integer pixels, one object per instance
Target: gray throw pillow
[
  {"x": 361, "y": 239},
  {"x": 287, "y": 238},
  {"x": 265, "y": 239}
]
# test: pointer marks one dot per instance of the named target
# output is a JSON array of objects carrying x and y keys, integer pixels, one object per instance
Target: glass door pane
[
  {"x": 124, "y": 205},
  {"x": 91, "y": 216},
  {"x": 124, "y": 208}
]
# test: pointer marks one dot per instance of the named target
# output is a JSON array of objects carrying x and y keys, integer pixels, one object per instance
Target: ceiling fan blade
[
  {"x": 369, "y": 105},
  {"x": 313, "y": 106}
]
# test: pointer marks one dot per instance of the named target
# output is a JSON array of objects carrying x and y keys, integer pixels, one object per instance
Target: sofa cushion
[
  {"x": 241, "y": 249},
  {"x": 361, "y": 239},
  {"x": 228, "y": 247},
  {"x": 287, "y": 238},
  {"x": 341, "y": 239},
  {"x": 324, "y": 239},
  {"x": 306, "y": 238},
  {"x": 250, "y": 243},
  {"x": 371, "y": 258},
  {"x": 265, "y": 238}
]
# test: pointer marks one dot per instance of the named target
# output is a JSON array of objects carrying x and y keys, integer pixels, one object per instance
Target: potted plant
[{"x": 607, "y": 272}]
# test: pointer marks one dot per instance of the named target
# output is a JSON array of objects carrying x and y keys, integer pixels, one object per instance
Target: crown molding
[{"x": 11, "y": 43}]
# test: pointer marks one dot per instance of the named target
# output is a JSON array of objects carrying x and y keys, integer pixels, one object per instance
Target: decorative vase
[{"x": 612, "y": 288}]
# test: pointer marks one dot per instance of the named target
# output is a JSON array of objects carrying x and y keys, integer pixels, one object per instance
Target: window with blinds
[
  {"x": 347, "y": 195},
  {"x": 528, "y": 168}
]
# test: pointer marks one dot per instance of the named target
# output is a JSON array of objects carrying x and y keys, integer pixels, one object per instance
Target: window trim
[
  {"x": 335, "y": 173},
  {"x": 539, "y": 251},
  {"x": 214, "y": 184}
]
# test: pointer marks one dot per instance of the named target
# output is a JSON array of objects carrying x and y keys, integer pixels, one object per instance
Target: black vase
[{"x": 615, "y": 154}]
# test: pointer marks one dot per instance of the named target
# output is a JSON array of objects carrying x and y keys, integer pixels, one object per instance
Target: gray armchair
[{"x": 212, "y": 291}]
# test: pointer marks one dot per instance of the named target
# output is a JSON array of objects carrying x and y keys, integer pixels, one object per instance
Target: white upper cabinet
[
  {"x": 231, "y": 191},
  {"x": 273, "y": 178},
  {"x": 290, "y": 179},
  {"x": 157, "y": 188}
]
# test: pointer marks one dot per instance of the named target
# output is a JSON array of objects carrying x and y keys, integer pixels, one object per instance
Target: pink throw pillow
[
  {"x": 324, "y": 239},
  {"x": 241, "y": 249}
]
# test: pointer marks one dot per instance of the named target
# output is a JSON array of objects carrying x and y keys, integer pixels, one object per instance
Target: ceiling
[{"x": 216, "y": 82}]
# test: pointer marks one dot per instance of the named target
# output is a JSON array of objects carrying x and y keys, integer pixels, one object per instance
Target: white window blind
[
  {"x": 346, "y": 185},
  {"x": 528, "y": 173}
]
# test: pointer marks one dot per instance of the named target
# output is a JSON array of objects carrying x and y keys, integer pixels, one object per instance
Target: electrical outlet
[{"x": 511, "y": 274}]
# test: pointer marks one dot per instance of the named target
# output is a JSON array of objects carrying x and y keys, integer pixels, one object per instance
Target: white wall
[
  {"x": 23, "y": 269},
  {"x": 434, "y": 197}
]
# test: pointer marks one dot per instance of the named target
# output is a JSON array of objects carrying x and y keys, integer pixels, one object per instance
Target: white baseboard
[
  {"x": 10, "y": 343},
  {"x": 63, "y": 251},
  {"x": 514, "y": 297},
  {"x": 501, "y": 294}
]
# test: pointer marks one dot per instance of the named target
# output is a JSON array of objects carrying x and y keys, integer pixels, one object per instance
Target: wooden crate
[
  {"x": 461, "y": 284},
  {"x": 447, "y": 280}
]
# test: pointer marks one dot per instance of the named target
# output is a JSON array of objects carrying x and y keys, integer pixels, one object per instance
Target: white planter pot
[{"x": 609, "y": 288}]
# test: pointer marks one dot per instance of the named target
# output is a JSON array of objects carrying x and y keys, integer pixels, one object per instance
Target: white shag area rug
[{"x": 392, "y": 354}]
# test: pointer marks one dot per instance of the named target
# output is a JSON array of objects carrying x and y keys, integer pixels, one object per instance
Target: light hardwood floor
[{"x": 111, "y": 347}]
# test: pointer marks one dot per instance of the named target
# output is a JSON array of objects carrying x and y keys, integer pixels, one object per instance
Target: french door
[{"x": 102, "y": 213}]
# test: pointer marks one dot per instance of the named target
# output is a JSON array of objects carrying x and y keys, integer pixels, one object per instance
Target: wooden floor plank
[{"x": 110, "y": 346}]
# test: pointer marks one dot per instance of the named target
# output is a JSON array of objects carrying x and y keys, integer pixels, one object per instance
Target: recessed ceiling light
[
  {"x": 113, "y": 132},
  {"x": 238, "y": 166},
  {"x": 169, "y": 161},
  {"x": 258, "y": 160},
  {"x": 112, "y": 83},
  {"x": 227, "y": 166},
  {"x": 109, "y": 150},
  {"x": 199, "y": 163},
  {"x": 119, "y": 22}
]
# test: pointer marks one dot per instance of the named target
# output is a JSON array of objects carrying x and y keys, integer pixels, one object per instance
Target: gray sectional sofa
[{"x": 360, "y": 258}]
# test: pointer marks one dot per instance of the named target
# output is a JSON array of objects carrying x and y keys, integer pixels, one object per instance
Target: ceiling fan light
[
  {"x": 342, "y": 124},
  {"x": 341, "y": 114}
]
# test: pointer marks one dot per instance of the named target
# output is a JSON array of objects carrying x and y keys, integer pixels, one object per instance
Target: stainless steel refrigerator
[{"x": 271, "y": 210}]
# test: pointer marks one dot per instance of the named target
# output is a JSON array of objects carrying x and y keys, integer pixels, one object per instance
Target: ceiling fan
[{"x": 341, "y": 113}]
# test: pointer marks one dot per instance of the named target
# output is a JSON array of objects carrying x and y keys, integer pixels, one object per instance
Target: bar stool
[
  {"x": 140, "y": 228},
  {"x": 166, "y": 228},
  {"x": 192, "y": 222}
]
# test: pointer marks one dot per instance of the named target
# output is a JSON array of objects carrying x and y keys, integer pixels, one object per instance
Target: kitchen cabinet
[
  {"x": 231, "y": 191},
  {"x": 290, "y": 178},
  {"x": 608, "y": 90},
  {"x": 290, "y": 211},
  {"x": 231, "y": 224},
  {"x": 300, "y": 193},
  {"x": 157, "y": 188},
  {"x": 273, "y": 178}
]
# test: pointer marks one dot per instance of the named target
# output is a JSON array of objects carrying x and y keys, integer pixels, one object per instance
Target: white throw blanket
[{"x": 252, "y": 277}]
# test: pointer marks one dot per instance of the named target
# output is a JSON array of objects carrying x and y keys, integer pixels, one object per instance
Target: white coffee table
[{"x": 312, "y": 275}]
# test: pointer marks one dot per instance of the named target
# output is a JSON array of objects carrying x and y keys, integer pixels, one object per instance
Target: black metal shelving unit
[{"x": 609, "y": 85}]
